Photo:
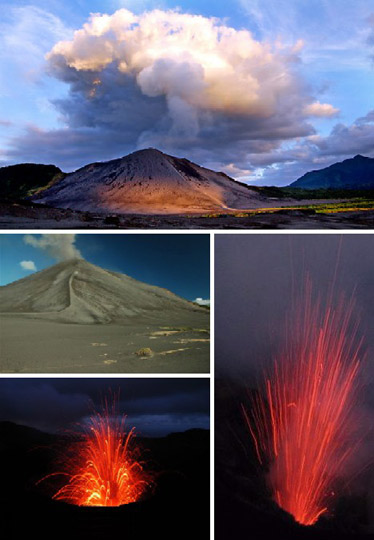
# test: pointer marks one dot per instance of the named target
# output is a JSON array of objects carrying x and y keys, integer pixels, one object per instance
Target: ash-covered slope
[
  {"x": 80, "y": 292},
  {"x": 148, "y": 181}
]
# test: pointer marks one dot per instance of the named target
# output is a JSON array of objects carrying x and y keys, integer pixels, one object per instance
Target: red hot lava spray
[
  {"x": 102, "y": 466},
  {"x": 303, "y": 423}
]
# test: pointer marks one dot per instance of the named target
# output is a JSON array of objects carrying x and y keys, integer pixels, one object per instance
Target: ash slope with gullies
[
  {"x": 77, "y": 291},
  {"x": 148, "y": 182}
]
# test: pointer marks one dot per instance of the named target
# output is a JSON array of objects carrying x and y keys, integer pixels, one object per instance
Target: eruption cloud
[
  {"x": 102, "y": 467},
  {"x": 59, "y": 246},
  {"x": 303, "y": 424}
]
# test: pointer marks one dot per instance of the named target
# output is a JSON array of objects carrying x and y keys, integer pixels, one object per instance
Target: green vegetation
[
  {"x": 184, "y": 329},
  {"x": 351, "y": 205},
  {"x": 353, "y": 173},
  {"x": 345, "y": 206},
  {"x": 145, "y": 352},
  {"x": 24, "y": 180},
  {"x": 300, "y": 193}
]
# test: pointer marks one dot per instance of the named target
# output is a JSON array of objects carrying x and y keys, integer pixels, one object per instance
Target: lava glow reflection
[
  {"x": 303, "y": 423},
  {"x": 102, "y": 466}
]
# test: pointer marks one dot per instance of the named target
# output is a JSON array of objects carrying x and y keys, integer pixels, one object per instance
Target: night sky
[
  {"x": 257, "y": 279},
  {"x": 155, "y": 407},
  {"x": 257, "y": 276},
  {"x": 177, "y": 262}
]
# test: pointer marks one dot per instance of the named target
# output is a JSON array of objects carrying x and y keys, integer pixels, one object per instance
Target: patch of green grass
[
  {"x": 144, "y": 352},
  {"x": 301, "y": 193},
  {"x": 344, "y": 206},
  {"x": 184, "y": 329},
  {"x": 350, "y": 205}
]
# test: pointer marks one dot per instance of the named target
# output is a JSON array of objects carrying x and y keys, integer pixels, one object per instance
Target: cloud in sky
[
  {"x": 187, "y": 84},
  {"x": 28, "y": 265},
  {"x": 202, "y": 301},
  {"x": 188, "y": 59},
  {"x": 153, "y": 406},
  {"x": 26, "y": 33},
  {"x": 317, "y": 152},
  {"x": 58, "y": 246},
  {"x": 321, "y": 109},
  {"x": 237, "y": 100}
]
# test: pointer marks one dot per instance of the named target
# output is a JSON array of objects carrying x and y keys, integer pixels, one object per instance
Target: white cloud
[
  {"x": 320, "y": 110},
  {"x": 59, "y": 246},
  {"x": 189, "y": 85},
  {"x": 202, "y": 301},
  {"x": 28, "y": 265},
  {"x": 316, "y": 152},
  {"x": 190, "y": 58},
  {"x": 26, "y": 34}
]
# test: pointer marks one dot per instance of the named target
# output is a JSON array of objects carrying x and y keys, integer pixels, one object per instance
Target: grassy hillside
[
  {"x": 300, "y": 193},
  {"x": 23, "y": 180}
]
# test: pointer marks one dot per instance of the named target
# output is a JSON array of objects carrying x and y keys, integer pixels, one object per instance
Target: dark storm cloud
[
  {"x": 348, "y": 140},
  {"x": 38, "y": 403},
  {"x": 317, "y": 152},
  {"x": 111, "y": 101},
  {"x": 154, "y": 406},
  {"x": 216, "y": 91},
  {"x": 119, "y": 119},
  {"x": 192, "y": 87}
]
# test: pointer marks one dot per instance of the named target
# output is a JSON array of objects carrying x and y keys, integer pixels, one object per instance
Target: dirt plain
[
  {"x": 37, "y": 346},
  {"x": 34, "y": 216}
]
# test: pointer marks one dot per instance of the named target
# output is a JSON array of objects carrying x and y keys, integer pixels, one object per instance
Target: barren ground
[
  {"x": 37, "y": 346},
  {"x": 32, "y": 216}
]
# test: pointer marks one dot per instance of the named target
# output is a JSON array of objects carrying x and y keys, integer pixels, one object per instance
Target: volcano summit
[
  {"x": 76, "y": 316},
  {"x": 76, "y": 291},
  {"x": 147, "y": 182}
]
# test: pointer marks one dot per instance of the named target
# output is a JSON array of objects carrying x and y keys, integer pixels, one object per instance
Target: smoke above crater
[
  {"x": 187, "y": 84},
  {"x": 60, "y": 247}
]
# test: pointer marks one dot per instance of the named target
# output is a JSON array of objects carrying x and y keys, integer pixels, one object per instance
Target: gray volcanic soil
[
  {"x": 77, "y": 317},
  {"x": 33, "y": 216},
  {"x": 148, "y": 182},
  {"x": 34, "y": 346}
]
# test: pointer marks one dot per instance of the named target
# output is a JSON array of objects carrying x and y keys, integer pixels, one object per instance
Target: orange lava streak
[
  {"x": 303, "y": 425},
  {"x": 103, "y": 470}
]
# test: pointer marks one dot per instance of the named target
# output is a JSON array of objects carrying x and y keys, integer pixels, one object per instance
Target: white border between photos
[
  {"x": 211, "y": 233},
  {"x": 209, "y": 375}
]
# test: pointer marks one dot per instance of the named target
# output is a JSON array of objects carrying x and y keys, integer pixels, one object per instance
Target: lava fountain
[
  {"x": 303, "y": 423},
  {"x": 102, "y": 466}
]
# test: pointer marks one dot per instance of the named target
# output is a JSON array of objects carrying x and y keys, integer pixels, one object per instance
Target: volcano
[
  {"x": 148, "y": 182},
  {"x": 77, "y": 317},
  {"x": 181, "y": 462},
  {"x": 80, "y": 292}
]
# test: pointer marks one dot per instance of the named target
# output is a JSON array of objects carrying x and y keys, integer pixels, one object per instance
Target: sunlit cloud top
[{"x": 253, "y": 91}]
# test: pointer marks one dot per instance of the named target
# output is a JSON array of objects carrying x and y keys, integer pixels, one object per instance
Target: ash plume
[{"x": 60, "y": 247}]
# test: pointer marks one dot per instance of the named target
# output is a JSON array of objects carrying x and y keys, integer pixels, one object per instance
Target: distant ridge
[
  {"x": 23, "y": 180},
  {"x": 353, "y": 173}
]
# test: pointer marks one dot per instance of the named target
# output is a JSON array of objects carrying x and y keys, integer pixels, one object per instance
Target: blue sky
[
  {"x": 264, "y": 90},
  {"x": 179, "y": 263}
]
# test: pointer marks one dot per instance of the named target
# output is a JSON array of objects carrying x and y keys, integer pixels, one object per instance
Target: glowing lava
[
  {"x": 102, "y": 465},
  {"x": 303, "y": 424}
]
